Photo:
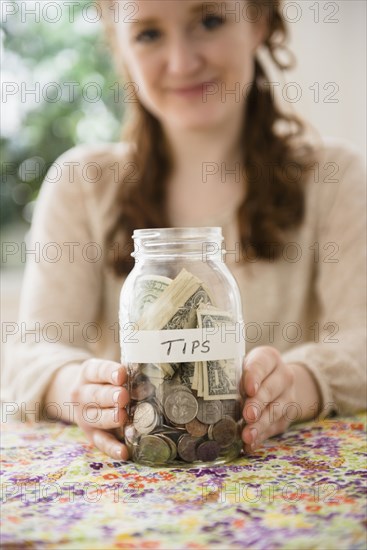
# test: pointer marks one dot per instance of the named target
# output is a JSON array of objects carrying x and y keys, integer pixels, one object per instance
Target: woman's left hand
[{"x": 269, "y": 386}]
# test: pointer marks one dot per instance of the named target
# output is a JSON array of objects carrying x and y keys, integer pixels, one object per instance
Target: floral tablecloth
[{"x": 305, "y": 489}]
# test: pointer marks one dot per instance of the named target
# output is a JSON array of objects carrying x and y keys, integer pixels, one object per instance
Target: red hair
[{"x": 274, "y": 201}]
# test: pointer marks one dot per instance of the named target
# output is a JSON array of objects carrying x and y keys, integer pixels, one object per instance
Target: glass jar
[{"x": 181, "y": 336}]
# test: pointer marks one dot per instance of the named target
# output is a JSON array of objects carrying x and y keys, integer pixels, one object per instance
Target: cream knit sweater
[{"x": 310, "y": 304}]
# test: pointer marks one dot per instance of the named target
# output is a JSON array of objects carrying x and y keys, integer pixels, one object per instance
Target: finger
[
  {"x": 108, "y": 444},
  {"x": 270, "y": 390},
  {"x": 258, "y": 364},
  {"x": 110, "y": 372},
  {"x": 276, "y": 428},
  {"x": 105, "y": 395},
  {"x": 271, "y": 422},
  {"x": 106, "y": 419}
]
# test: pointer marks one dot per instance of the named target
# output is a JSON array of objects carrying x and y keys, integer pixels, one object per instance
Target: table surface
[{"x": 304, "y": 489}]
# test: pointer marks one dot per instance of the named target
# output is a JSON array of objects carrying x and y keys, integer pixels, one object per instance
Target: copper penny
[{"x": 196, "y": 428}]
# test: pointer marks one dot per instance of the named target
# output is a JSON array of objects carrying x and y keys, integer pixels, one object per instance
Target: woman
[{"x": 292, "y": 217}]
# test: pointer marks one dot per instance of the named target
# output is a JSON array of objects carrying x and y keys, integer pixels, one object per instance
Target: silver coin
[
  {"x": 173, "y": 433},
  {"x": 209, "y": 412},
  {"x": 157, "y": 404},
  {"x": 232, "y": 408},
  {"x": 210, "y": 431},
  {"x": 130, "y": 434},
  {"x": 180, "y": 406},
  {"x": 141, "y": 388},
  {"x": 153, "y": 449},
  {"x": 225, "y": 431},
  {"x": 145, "y": 418},
  {"x": 168, "y": 387},
  {"x": 171, "y": 444},
  {"x": 186, "y": 447},
  {"x": 175, "y": 426},
  {"x": 130, "y": 438}
]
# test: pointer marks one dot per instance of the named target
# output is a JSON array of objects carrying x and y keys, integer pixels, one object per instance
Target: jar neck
[{"x": 202, "y": 242}]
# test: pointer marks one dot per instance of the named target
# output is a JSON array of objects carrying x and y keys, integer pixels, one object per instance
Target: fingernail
[
  {"x": 256, "y": 386},
  {"x": 253, "y": 433},
  {"x": 115, "y": 376},
  {"x": 116, "y": 396},
  {"x": 117, "y": 452},
  {"x": 116, "y": 414},
  {"x": 253, "y": 412}
]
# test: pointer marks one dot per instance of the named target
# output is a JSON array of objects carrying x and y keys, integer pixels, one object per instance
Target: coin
[
  {"x": 141, "y": 388},
  {"x": 225, "y": 431},
  {"x": 145, "y": 418},
  {"x": 210, "y": 431},
  {"x": 171, "y": 444},
  {"x": 208, "y": 451},
  {"x": 157, "y": 405},
  {"x": 196, "y": 428},
  {"x": 209, "y": 412},
  {"x": 231, "y": 407},
  {"x": 153, "y": 448},
  {"x": 187, "y": 447},
  {"x": 180, "y": 406},
  {"x": 175, "y": 426},
  {"x": 170, "y": 385},
  {"x": 130, "y": 434},
  {"x": 167, "y": 388},
  {"x": 173, "y": 433}
]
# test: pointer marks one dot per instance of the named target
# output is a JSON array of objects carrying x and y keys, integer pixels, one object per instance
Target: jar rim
[{"x": 178, "y": 233}]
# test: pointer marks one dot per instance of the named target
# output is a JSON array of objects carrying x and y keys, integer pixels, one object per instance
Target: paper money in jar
[{"x": 181, "y": 336}]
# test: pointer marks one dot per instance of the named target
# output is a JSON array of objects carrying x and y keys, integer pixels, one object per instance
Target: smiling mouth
[{"x": 193, "y": 90}]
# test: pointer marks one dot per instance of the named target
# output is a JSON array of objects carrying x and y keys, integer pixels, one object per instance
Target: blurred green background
[{"x": 59, "y": 88}]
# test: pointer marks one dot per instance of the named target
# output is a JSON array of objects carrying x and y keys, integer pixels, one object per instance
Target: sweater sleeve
[
  {"x": 61, "y": 290},
  {"x": 338, "y": 360}
]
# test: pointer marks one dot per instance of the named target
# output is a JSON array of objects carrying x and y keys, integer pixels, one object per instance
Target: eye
[
  {"x": 149, "y": 35},
  {"x": 211, "y": 22}
]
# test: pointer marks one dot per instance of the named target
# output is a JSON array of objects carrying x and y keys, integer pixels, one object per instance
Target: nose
[{"x": 183, "y": 56}]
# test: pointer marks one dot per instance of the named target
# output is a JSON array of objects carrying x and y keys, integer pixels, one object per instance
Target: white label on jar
[{"x": 180, "y": 346}]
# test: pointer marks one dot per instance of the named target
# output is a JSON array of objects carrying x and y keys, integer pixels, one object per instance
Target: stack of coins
[{"x": 170, "y": 423}]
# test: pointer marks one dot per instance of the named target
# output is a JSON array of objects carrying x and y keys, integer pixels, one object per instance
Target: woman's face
[{"x": 191, "y": 62}]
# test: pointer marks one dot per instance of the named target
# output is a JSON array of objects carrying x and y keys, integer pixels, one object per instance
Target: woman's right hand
[{"x": 100, "y": 402}]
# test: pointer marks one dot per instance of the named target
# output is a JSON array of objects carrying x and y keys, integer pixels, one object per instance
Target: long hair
[{"x": 274, "y": 161}]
